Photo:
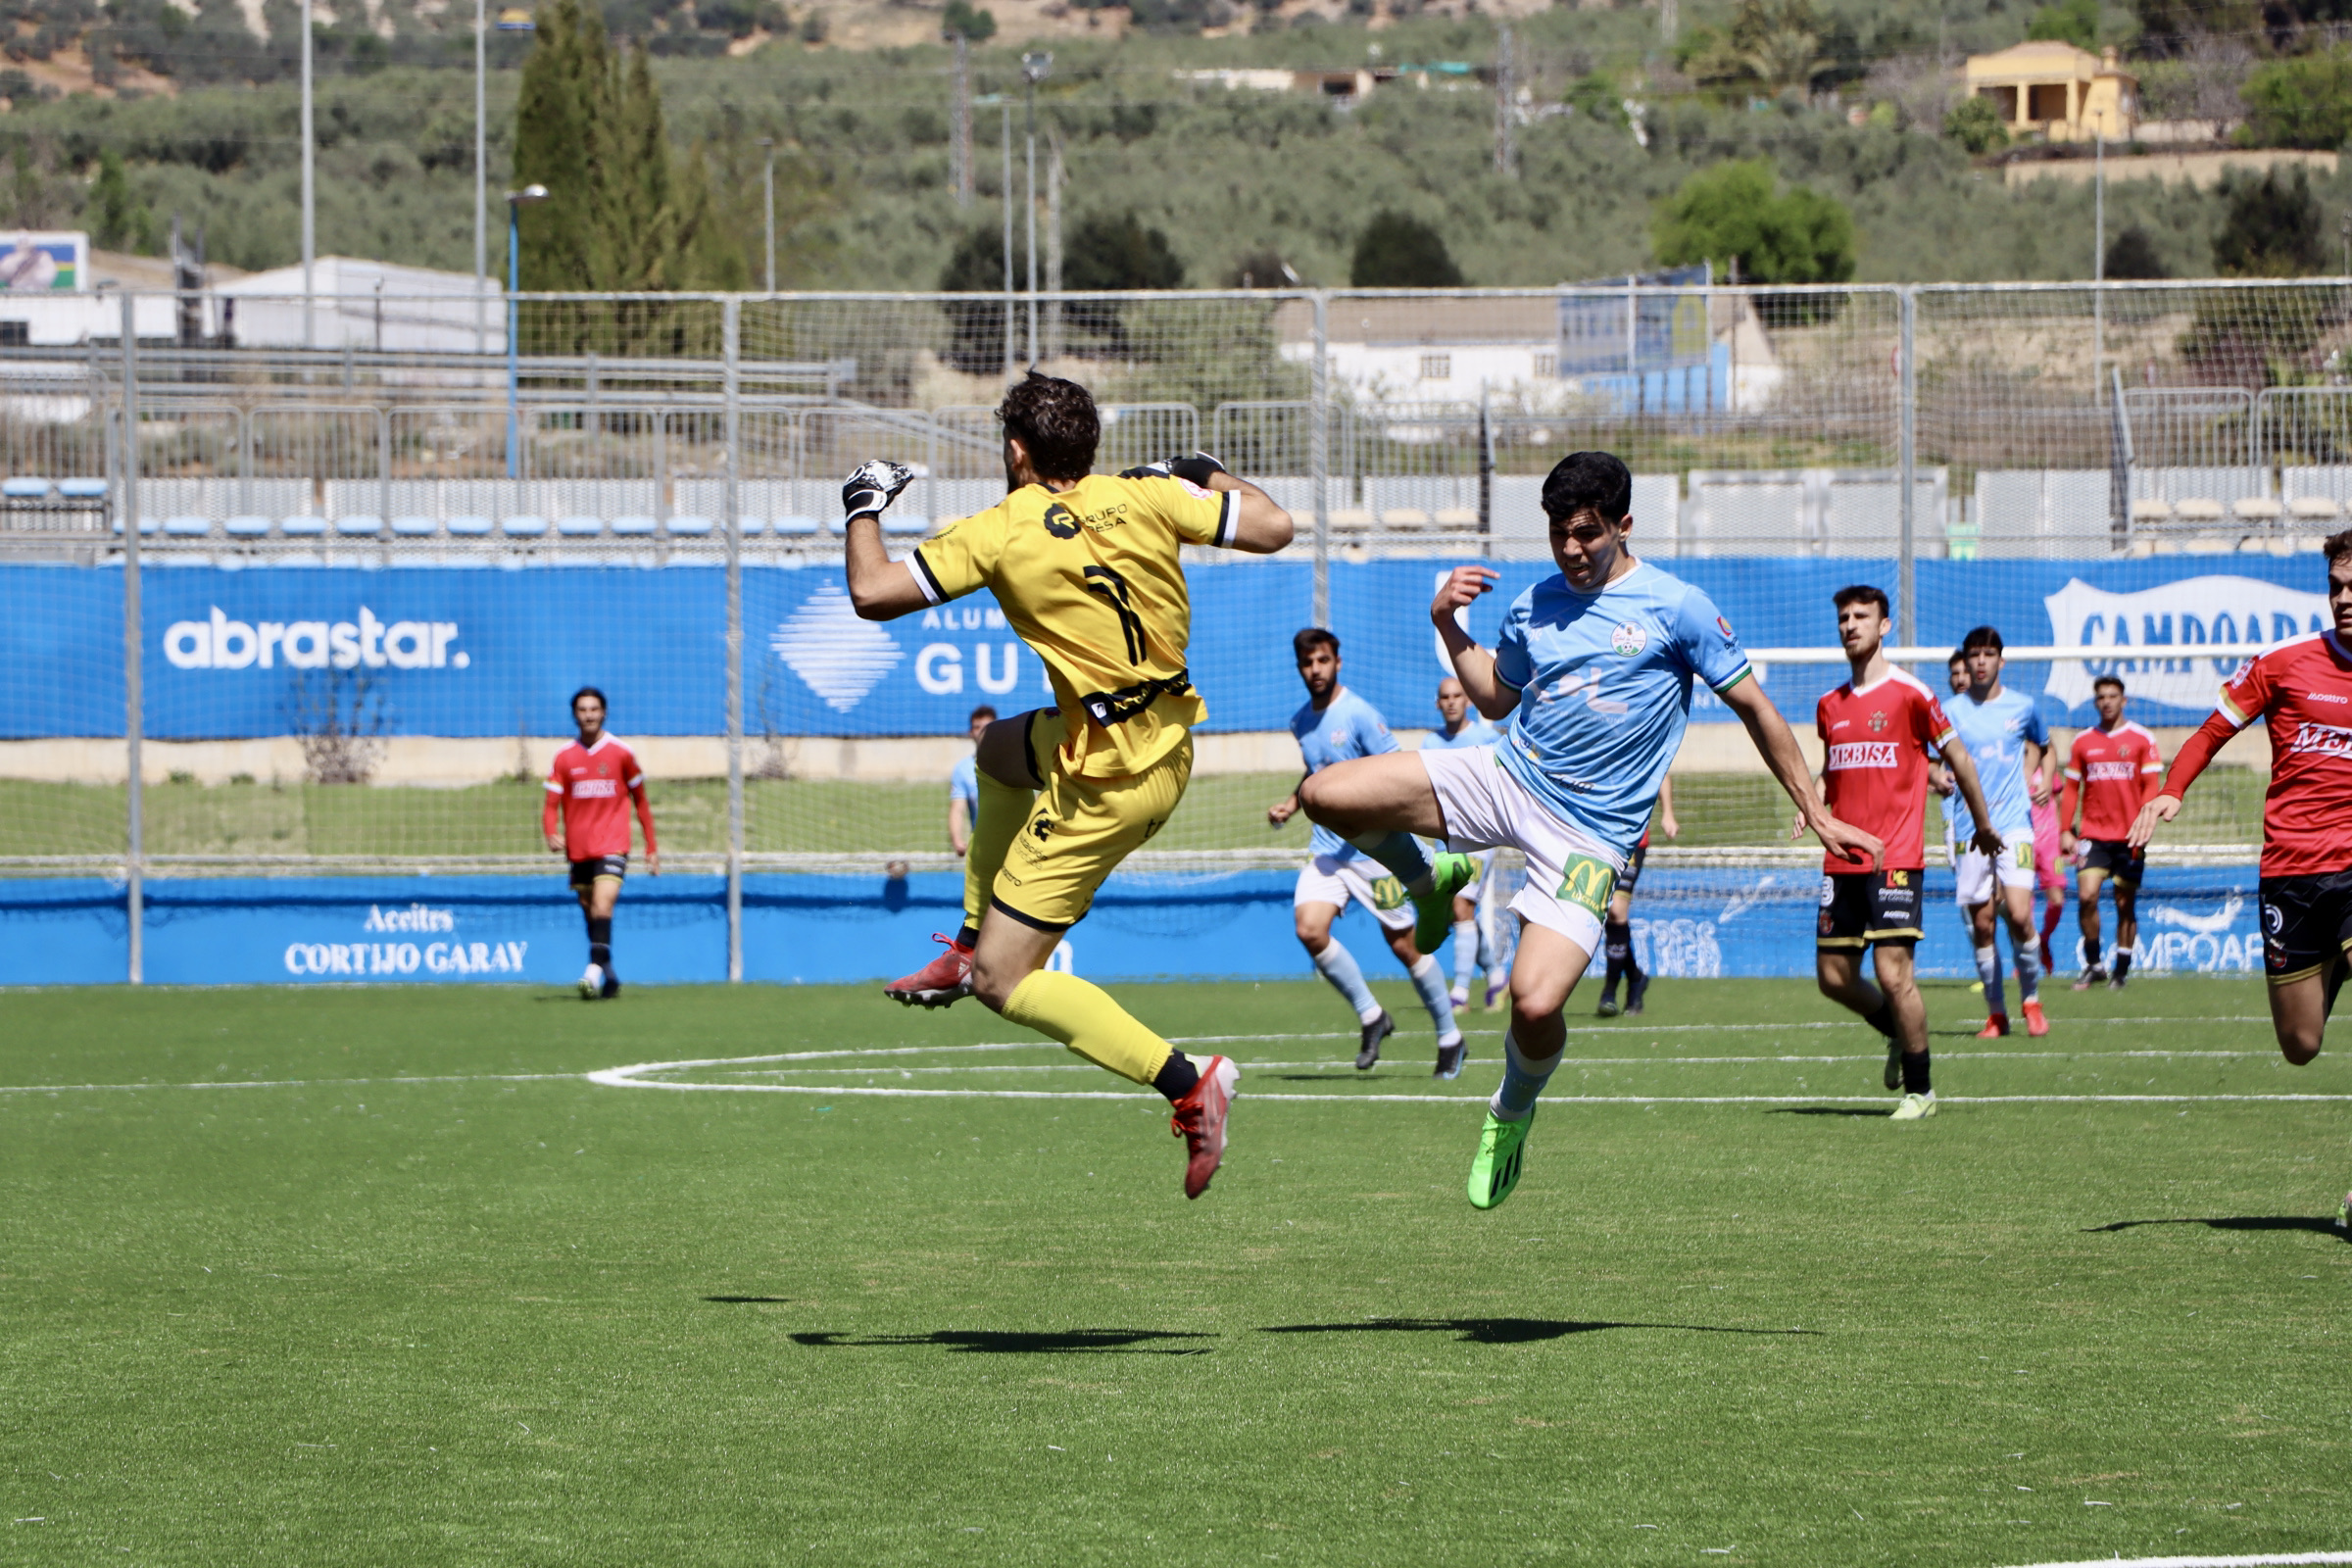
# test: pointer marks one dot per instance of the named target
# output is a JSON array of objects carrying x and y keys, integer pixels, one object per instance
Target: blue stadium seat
[
  {"x": 523, "y": 527},
  {"x": 579, "y": 527},
  {"x": 82, "y": 489},
  {"x": 690, "y": 527},
  {"x": 836, "y": 526},
  {"x": 904, "y": 526},
  {"x": 187, "y": 527},
  {"x": 752, "y": 528},
  {"x": 248, "y": 527},
  {"x": 147, "y": 525},
  {"x": 360, "y": 526},
  {"x": 469, "y": 528},
  {"x": 798, "y": 527},
  {"x": 635, "y": 527},
  {"x": 24, "y": 489},
  {"x": 301, "y": 527},
  {"x": 414, "y": 527}
]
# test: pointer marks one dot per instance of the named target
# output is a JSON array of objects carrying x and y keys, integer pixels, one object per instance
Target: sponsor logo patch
[{"x": 1864, "y": 754}]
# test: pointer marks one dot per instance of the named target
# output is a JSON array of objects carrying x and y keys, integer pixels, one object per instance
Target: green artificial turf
[{"x": 388, "y": 1306}]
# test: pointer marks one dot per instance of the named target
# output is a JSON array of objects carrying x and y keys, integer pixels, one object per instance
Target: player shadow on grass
[
  {"x": 1505, "y": 1330},
  {"x": 1002, "y": 1342},
  {"x": 2236, "y": 1222},
  {"x": 1832, "y": 1111}
]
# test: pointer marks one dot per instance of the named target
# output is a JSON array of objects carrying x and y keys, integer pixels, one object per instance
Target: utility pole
[
  {"x": 481, "y": 172},
  {"x": 1005, "y": 106},
  {"x": 1033, "y": 71},
  {"x": 1054, "y": 177},
  {"x": 768, "y": 188},
  {"x": 1505, "y": 156},
  {"x": 960, "y": 130},
  {"x": 309, "y": 212},
  {"x": 2099, "y": 267}
]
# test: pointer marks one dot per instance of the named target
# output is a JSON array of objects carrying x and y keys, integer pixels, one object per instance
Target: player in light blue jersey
[
  {"x": 1596, "y": 662},
  {"x": 964, "y": 785},
  {"x": 2003, "y": 731},
  {"x": 1335, "y": 725},
  {"x": 1474, "y": 945}
]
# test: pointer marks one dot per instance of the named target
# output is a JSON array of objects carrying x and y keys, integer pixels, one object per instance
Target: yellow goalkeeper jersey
[{"x": 1090, "y": 578}]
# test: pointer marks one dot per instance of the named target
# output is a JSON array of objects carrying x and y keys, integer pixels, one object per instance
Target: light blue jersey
[
  {"x": 1604, "y": 692},
  {"x": 1995, "y": 734},
  {"x": 963, "y": 783},
  {"x": 1477, "y": 730},
  {"x": 1348, "y": 728}
]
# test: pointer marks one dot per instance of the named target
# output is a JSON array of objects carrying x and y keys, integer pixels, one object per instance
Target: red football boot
[
  {"x": 2036, "y": 1024},
  {"x": 944, "y": 979},
  {"x": 1996, "y": 1027},
  {"x": 1198, "y": 1118}
]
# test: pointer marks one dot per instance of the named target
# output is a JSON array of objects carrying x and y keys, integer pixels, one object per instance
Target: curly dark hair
[
  {"x": 1055, "y": 420},
  {"x": 1598, "y": 481}
]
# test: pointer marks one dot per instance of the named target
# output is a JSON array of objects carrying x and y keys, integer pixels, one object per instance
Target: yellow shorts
[{"x": 1078, "y": 832}]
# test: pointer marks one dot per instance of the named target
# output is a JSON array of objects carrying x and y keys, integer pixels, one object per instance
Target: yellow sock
[
  {"x": 1083, "y": 1017},
  {"x": 1001, "y": 809}
]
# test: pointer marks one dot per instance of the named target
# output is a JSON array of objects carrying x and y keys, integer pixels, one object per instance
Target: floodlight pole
[
  {"x": 481, "y": 172},
  {"x": 134, "y": 869},
  {"x": 2098, "y": 265},
  {"x": 516, "y": 200},
  {"x": 1006, "y": 105},
  {"x": 1033, "y": 71},
  {"x": 768, "y": 192},
  {"x": 310, "y": 210}
]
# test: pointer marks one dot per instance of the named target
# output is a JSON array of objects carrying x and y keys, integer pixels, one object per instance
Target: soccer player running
[
  {"x": 1876, "y": 732},
  {"x": 1334, "y": 725},
  {"x": 1598, "y": 661},
  {"x": 1085, "y": 567},
  {"x": 2003, "y": 733},
  {"x": 1474, "y": 951},
  {"x": 1617, "y": 931},
  {"x": 2113, "y": 770},
  {"x": 964, "y": 785},
  {"x": 590, "y": 787},
  {"x": 2302, "y": 692}
]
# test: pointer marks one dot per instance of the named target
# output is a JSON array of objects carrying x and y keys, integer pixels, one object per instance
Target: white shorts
[
  {"x": 1976, "y": 873},
  {"x": 1570, "y": 873},
  {"x": 1328, "y": 880}
]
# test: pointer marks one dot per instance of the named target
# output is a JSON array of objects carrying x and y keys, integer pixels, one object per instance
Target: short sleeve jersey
[
  {"x": 1994, "y": 733},
  {"x": 2303, "y": 691},
  {"x": 1345, "y": 727},
  {"x": 1875, "y": 763},
  {"x": 1477, "y": 730},
  {"x": 2112, "y": 771},
  {"x": 592, "y": 785},
  {"x": 963, "y": 782},
  {"x": 1091, "y": 579},
  {"x": 1604, "y": 692}
]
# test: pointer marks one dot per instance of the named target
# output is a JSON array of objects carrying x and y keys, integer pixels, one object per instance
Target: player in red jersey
[
  {"x": 591, "y": 785},
  {"x": 2112, "y": 771},
  {"x": 1877, "y": 730},
  {"x": 2302, "y": 692}
]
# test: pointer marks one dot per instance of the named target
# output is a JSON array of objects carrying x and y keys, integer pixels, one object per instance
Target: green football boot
[
  {"x": 1433, "y": 912},
  {"x": 1494, "y": 1170}
]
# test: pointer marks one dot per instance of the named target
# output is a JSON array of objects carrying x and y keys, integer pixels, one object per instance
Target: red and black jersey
[
  {"x": 2113, "y": 775},
  {"x": 1875, "y": 771},
  {"x": 592, "y": 786},
  {"x": 2302, "y": 690}
]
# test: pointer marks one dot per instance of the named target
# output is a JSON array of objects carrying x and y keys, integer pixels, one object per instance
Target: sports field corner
[{"x": 450, "y": 1275}]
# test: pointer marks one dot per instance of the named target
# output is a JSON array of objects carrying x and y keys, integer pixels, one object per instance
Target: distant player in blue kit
[
  {"x": 2003, "y": 732},
  {"x": 1474, "y": 951},
  {"x": 1334, "y": 726},
  {"x": 1596, "y": 663}
]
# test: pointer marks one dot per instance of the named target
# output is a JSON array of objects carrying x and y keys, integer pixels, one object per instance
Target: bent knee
[{"x": 2299, "y": 1049}]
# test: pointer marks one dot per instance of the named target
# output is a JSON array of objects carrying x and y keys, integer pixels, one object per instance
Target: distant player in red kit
[
  {"x": 2302, "y": 691},
  {"x": 2112, "y": 771},
  {"x": 1877, "y": 730},
  {"x": 591, "y": 785}
]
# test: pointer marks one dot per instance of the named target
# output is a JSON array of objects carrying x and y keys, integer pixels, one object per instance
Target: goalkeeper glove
[
  {"x": 1146, "y": 470},
  {"x": 1195, "y": 467},
  {"x": 874, "y": 486}
]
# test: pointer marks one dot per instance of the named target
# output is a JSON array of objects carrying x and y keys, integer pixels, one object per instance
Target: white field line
[
  {"x": 2282, "y": 1559},
  {"x": 294, "y": 1083},
  {"x": 1338, "y": 1066}
]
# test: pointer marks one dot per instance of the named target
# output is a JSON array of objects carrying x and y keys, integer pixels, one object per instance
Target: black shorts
[
  {"x": 1861, "y": 907},
  {"x": 2119, "y": 859},
  {"x": 2306, "y": 921},
  {"x": 1632, "y": 875},
  {"x": 585, "y": 873}
]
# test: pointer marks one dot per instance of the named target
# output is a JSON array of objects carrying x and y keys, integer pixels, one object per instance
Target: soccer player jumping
[
  {"x": 1085, "y": 567},
  {"x": 2113, "y": 770},
  {"x": 1877, "y": 730},
  {"x": 2302, "y": 692},
  {"x": 1596, "y": 661},
  {"x": 590, "y": 786}
]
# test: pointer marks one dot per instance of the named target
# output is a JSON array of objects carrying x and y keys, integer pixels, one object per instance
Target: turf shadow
[
  {"x": 750, "y": 1299},
  {"x": 998, "y": 1341},
  {"x": 2236, "y": 1222},
  {"x": 1831, "y": 1110},
  {"x": 1504, "y": 1330}
]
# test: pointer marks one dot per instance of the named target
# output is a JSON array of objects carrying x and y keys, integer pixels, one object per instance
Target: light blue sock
[
  {"x": 1521, "y": 1083},
  {"x": 1989, "y": 970},
  {"x": 1430, "y": 981},
  {"x": 1468, "y": 947},
  {"x": 1400, "y": 852},
  {"x": 2029, "y": 970},
  {"x": 1338, "y": 965}
]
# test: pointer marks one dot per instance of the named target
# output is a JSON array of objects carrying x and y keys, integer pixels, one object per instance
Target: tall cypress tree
[{"x": 556, "y": 115}]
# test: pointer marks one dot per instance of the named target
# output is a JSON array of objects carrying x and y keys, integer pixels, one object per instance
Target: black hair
[
  {"x": 1860, "y": 593},
  {"x": 1597, "y": 481},
  {"x": 591, "y": 690},
  {"x": 1958, "y": 658},
  {"x": 1313, "y": 637},
  {"x": 2337, "y": 546},
  {"x": 982, "y": 712},
  {"x": 2116, "y": 681},
  {"x": 1055, "y": 419},
  {"x": 1980, "y": 637}
]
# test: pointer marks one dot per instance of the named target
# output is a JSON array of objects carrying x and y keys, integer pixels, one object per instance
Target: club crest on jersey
[
  {"x": 1061, "y": 521},
  {"x": 1629, "y": 637},
  {"x": 1878, "y": 723}
]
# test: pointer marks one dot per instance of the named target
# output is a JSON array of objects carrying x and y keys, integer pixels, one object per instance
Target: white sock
[
  {"x": 1430, "y": 980},
  {"x": 1465, "y": 953},
  {"x": 2029, "y": 970},
  {"x": 1338, "y": 965},
  {"x": 1989, "y": 970}
]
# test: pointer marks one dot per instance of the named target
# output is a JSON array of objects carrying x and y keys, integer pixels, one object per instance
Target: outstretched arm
[
  {"x": 2215, "y": 732},
  {"x": 1473, "y": 665},
  {"x": 1260, "y": 527},
  {"x": 882, "y": 589},
  {"x": 1781, "y": 754}
]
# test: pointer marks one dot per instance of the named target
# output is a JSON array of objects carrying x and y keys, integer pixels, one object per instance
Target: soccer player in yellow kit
[{"x": 1086, "y": 569}]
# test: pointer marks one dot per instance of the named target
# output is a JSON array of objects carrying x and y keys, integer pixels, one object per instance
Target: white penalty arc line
[
  {"x": 296, "y": 1083},
  {"x": 2282, "y": 1559}
]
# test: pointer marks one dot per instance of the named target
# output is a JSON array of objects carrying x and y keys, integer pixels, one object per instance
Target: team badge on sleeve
[{"x": 1724, "y": 626}]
